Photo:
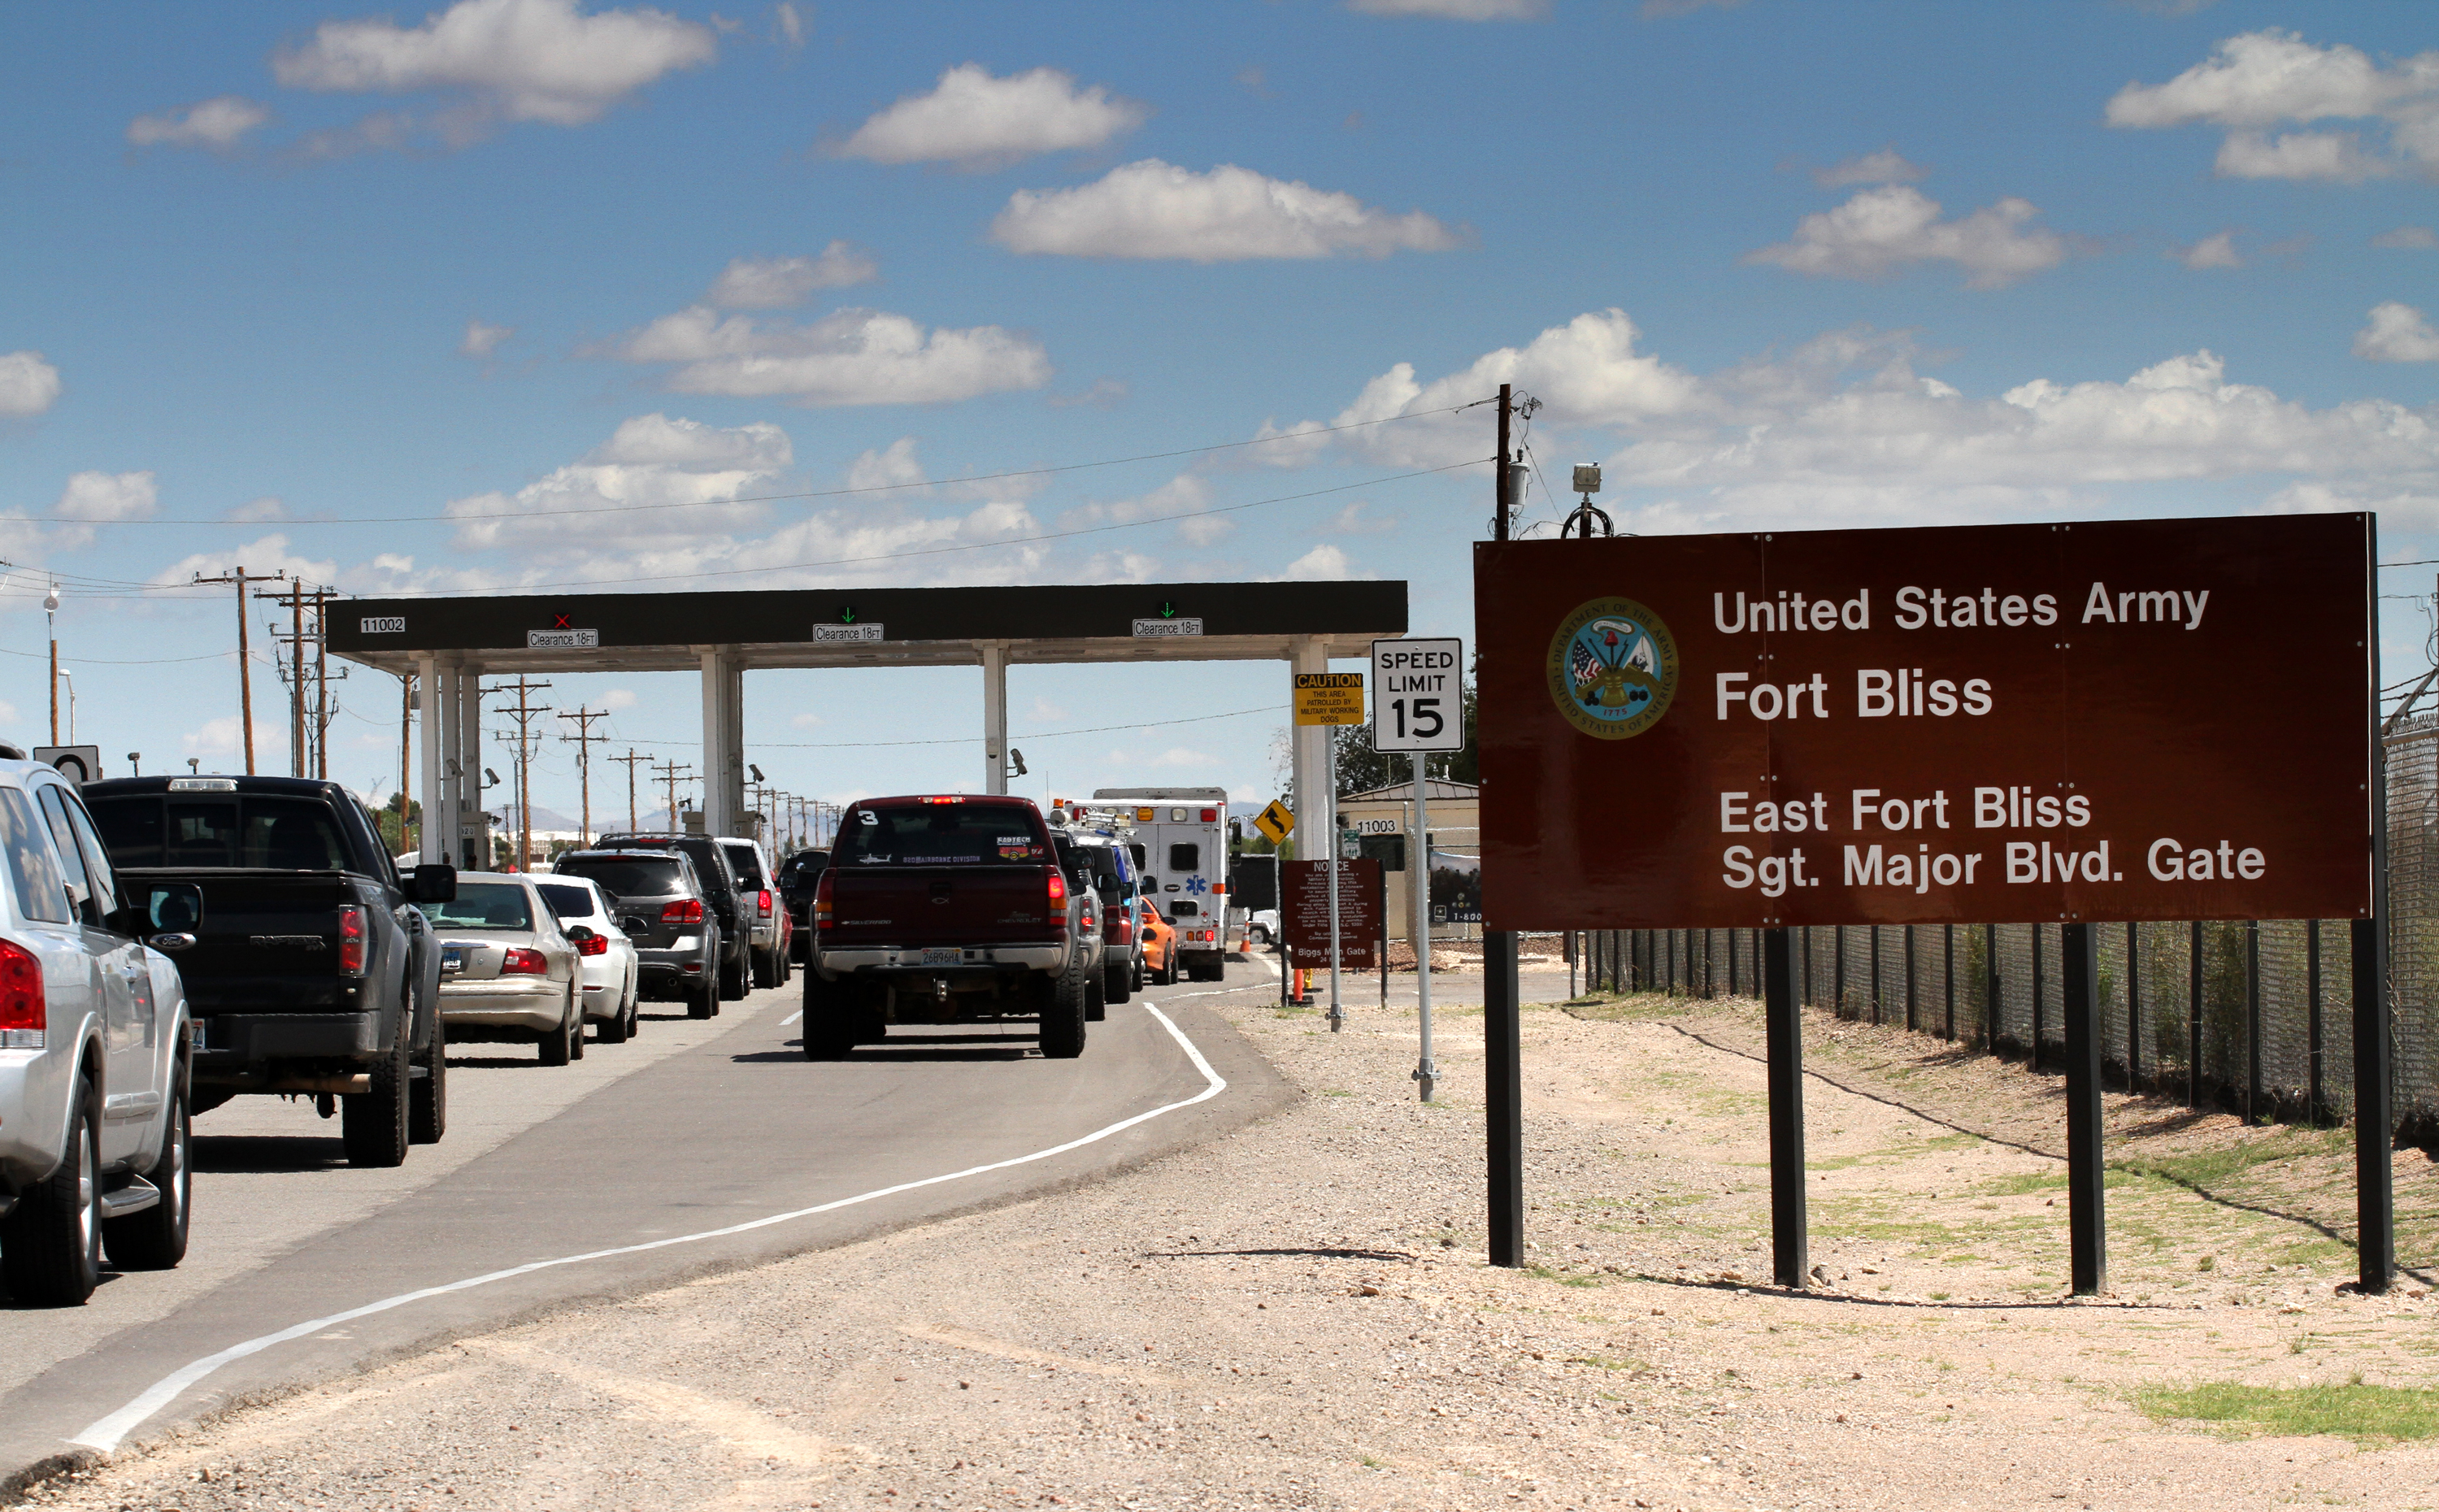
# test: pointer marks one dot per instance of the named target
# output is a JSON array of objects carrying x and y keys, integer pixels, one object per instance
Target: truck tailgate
[
  {"x": 269, "y": 942},
  {"x": 960, "y": 905}
]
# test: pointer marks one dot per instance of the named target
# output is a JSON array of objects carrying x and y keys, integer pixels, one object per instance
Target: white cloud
[
  {"x": 1882, "y": 230},
  {"x": 264, "y": 508},
  {"x": 2213, "y": 251},
  {"x": 217, "y": 746},
  {"x": 1187, "y": 494},
  {"x": 1455, "y": 10},
  {"x": 618, "y": 698},
  {"x": 780, "y": 283},
  {"x": 523, "y": 59},
  {"x": 807, "y": 721},
  {"x": 108, "y": 497},
  {"x": 2409, "y": 238},
  {"x": 219, "y": 124},
  {"x": 649, "y": 460},
  {"x": 1154, "y": 210},
  {"x": 976, "y": 121},
  {"x": 1883, "y": 167},
  {"x": 2264, "y": 78},
  {"x": 2397, "y": 333},
  {"x": 1047, "y": 712},
  {"x": 789, "y": 24},
  {"x": 482, "y": 340},
  {"x": 1322, "y": 563},
  {"x": 897, "y": 467},
  {"x": 848, "y": 357},
  {"x": 29, "y": 385}
]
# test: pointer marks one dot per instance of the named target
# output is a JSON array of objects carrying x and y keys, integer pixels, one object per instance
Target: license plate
[
  {"x": 453, "y": 960},
  {"x": 948, "y": 957},
  {"x": 198, "y": 1030}
]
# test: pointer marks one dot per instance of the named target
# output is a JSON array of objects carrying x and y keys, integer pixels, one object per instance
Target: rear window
[
  {"x": 41, "y": 891},
  {"x": 944, "y": 834},
  {"x": 803, "y": 870},
  {"x": 740, "y": 861},
  {"x": 628, "y": 875},
  {"x": 1185, "y": 858},
  {"x": 482, "y": 905},
  {"x": 567, "y": 902},
  {"x": 281, "y": 834}
]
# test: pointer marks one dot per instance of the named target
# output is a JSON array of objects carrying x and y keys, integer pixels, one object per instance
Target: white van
[{"x": 1180, "y": 847}]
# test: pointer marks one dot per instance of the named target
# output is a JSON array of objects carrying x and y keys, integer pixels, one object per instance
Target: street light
[{"x": 135, "y": 762}]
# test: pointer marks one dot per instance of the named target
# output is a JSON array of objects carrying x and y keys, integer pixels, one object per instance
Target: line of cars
[{"x": 169, "y": 943}]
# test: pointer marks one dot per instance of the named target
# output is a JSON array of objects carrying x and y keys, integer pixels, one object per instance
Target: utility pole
[
  {"x": 1502, "y": 1028},
  {"x": 523, "y": 710},
  {"x": 585, "y": 740},
  {"x": 299, "y": 762},
  {"x": 51, "y": 617},
  {"x": 244, "y": 658},
  {"x": 670, "y": 773},
  {"x": 322, "y": 685},
  {"x": 631, "y": 761}
]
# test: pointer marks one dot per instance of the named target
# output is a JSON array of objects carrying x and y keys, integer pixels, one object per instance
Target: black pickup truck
[{"x": 311, "y": 970}]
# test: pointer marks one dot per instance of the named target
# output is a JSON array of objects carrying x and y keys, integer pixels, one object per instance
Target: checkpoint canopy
[
  {"x": 2103, "y": 720},
  {"x": 453, "y": 643}
]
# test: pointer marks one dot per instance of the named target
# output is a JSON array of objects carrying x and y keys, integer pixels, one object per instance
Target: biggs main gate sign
[{"x": 2140, "y": 720}]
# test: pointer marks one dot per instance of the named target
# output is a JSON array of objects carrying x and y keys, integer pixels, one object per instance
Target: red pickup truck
[{"x": 946, "y": 909}]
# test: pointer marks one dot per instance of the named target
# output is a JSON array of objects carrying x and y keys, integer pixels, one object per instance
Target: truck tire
[
  {"x": 372, "y": 1125},
  {"x": 613, "y": 1030},
  {"x": 1167, "y": 970},
  {"x": 427, "y": 1102},
  {"x": 1118, "y": 982},
  {"x": 732, "y": 976},
  {"x": 766, "y": 972},
  {"x": 1063, "y": 1009},
  {"x": 1135, "y": 975},
  {"x": 50, "y": 1244},
  {"x": 832, "y": 1026},
  {"x": 1097, "y": 996},
  {"x": 703, "y": 1000},
  {"x": 156, "y": 1239}
]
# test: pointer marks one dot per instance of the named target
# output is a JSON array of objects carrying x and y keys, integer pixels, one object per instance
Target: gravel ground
[{"x": 1300, "y": 1316}]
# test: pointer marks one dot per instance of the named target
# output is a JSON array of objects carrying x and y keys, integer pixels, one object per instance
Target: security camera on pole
[{"x": 1419, "y": 706}]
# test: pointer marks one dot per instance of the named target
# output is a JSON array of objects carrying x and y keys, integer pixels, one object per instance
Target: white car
[
  {"x": 1262, "y": 925},
  {"x": 607, "y": 957},
  {"x": 93, "y": 1052}
]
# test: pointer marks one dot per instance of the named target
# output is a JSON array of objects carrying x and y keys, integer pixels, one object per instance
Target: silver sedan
[{"x": 507, "y": 971}]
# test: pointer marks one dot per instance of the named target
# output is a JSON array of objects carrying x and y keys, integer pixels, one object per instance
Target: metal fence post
[
  {"x": 2087, "y": 1231},
  {"x": 2036, "y": 1061},
  {"x": 1947, "y": 958},
  {"x": 2194, "y": 1021},
  {"x": 1838, "y": 970},
  {"x": 1785, "y": 1028},
  {"x": 1990, "y": 990},
  {"x": 1503, "y": 1056},
  {"x": 1874, "y": 929},
  {"x": 2253, "y": 1020},
  {"x": 1909, "y": 970},
  {"x": 2133, "y": 1006},
  {"x": 2312, "y": 1020}
]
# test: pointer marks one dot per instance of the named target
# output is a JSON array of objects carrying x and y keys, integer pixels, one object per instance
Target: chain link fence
[{"x": 2256, "y": 1017}]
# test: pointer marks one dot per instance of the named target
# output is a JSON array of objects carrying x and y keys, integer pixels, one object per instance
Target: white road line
[
  {"x": 792, "y": 1017},
  {"x": 110, "y": 1432}
]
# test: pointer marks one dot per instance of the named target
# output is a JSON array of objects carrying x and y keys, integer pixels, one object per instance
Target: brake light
[
  {"x": 596, "y": 945},
  {"x": 1057, "y": 900},
  {"x": 352, "y": 940},
  {"x": 522, "y": 961},
  {"x": 766, "y": 902},
  {"x": 683, "y": 911},
  {"x": 24, "y": 1010},
  {"x": 940, "y": 800},
  {"x": 1122, "y": 929},
  {"x": 822, "y": 900}
]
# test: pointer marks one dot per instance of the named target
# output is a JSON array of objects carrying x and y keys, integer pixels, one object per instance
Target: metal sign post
[
  {"x": 1417, "y": 703},
  {"x": 1329, "y": 698}
]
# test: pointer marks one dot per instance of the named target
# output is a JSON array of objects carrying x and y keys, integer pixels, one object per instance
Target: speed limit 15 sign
[{"x": 1418, "y": 695}]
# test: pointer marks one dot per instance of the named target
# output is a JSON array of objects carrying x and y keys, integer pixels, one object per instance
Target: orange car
[{"x": 1159, "y": 947}]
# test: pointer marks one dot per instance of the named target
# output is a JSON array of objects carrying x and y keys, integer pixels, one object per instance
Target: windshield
[
  {"x": 946, "y": 834},
  {"x": 566, "y": 901},
  {"x": 803, "y": 870},
  {"x": 482, "y": 905},
  {"x": 628, "y": 875},
  {"x": 281, "y": 834}
]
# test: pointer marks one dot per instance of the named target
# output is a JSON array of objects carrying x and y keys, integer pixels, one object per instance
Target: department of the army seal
[{"x": 1612, "y": 669}]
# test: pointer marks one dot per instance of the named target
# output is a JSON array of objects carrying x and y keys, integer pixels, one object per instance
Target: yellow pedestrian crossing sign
[{"x": 1274, "y": 822}]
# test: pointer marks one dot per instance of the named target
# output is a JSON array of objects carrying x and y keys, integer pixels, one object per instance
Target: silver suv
[
  {"x": 760, "y": 908},
  {"x": 93, "y": 1052}
]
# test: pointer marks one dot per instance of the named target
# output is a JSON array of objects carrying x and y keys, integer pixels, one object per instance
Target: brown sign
[
  {"x": 1304, "y": 914},
  {"x": 2152, "y": 720}
]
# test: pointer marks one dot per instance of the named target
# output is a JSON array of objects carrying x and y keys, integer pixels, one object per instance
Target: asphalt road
[{"x": 650, "y": 1150}]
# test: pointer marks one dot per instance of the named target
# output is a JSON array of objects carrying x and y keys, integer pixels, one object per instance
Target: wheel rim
[
  {"x": 174, "y": 1193},
  {"x": 88, "y": 1200}
]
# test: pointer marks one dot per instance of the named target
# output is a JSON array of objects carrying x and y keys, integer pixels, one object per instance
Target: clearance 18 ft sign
[{"x": 2145, "y": 719}]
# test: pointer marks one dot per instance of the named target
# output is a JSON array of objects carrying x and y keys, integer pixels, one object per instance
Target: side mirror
[
  {"x": 432, "y": 883},
  {"x": 173, "y": 908}
]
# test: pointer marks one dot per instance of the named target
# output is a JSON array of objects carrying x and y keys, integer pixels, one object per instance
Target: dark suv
[
  {"x": 720, "y": 891},
  {"x": 798, "y": 875},
  {"x": 1109, "y": 870},
  {"x": 664, "y": 910}
]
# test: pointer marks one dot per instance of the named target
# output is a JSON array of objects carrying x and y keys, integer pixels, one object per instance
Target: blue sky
[{"x": 273, "y": 272}]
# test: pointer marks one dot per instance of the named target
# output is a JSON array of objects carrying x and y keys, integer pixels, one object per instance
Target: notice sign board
[
  {"x": 1304, "y": 914},
  {"x": 1329, "y": 698},
  {"x": 2140, "y": 720}
]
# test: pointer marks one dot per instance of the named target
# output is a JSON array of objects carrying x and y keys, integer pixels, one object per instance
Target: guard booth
[
  {"x": 1383, "y": 818},
  {"x": 452, "y": 644}
]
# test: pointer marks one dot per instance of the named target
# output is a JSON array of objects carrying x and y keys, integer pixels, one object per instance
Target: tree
[{"x": 386, "y": 816}]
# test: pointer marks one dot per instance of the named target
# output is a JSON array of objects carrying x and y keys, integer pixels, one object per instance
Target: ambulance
[{"x": 1180, "y": 848}]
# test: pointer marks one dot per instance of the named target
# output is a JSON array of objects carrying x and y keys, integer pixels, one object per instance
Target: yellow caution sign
[
  {"x": 1274, "y": 822},
  {"x": 1329, "y": 698}
]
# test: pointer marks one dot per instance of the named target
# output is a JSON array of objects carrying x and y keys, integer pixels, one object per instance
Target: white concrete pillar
[
  {"x": 436, "y": 794},
  {"x": 723, "y": 739},
  {"x": 473, "y": 825},
  {"x": 1316, "y": 806},
  {"x": 994, "y": 716}
]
